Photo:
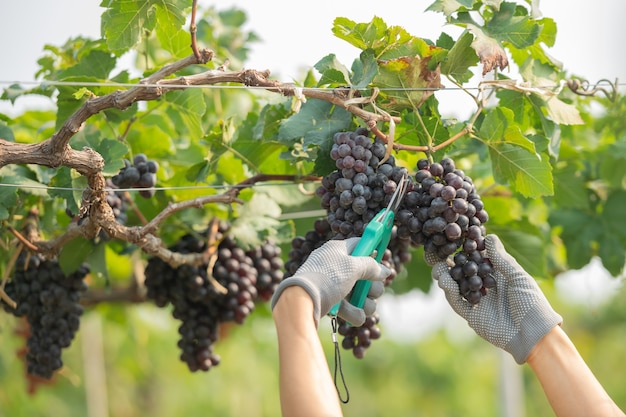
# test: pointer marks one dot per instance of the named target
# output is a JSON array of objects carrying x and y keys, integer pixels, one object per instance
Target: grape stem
[{"x": 193, "y": 29}]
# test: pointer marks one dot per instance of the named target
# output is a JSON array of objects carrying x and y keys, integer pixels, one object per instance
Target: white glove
[
  {"x": 329, "y": 274},
  {"x": 514, "y": 315}
]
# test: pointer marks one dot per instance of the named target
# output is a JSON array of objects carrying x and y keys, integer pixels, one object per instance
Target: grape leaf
[
  {"x": 74, "y": 253},
  {"x": 6, "y": 133},
  {"x": 498, "y": 126},
  {"x": 257, "y": 220},
  {"x": 364, "y": 69},
  {"x": 523, "y": 241},
  {"x": 513, "y": 156},
  {"x": 611, "y": 252},
  {"x": 8, "y": 200},
  {"x": 405, "y": 80},
  {"x": 578, "y": 231},
  {"x": 559, "y": 111},
  {"x": 71, "y": 188},
  {"x": 170, "y": 20},
  {"x": 569, "y": 187},
  {"x": 459, "y": 59},
  {"x": 361, "y": 35},
  {"x": 124, "y": 22},
  {"x": 508, "y": 25},
  {"x": 448, "y": 7},
  {"x": 612, "y": 169},
  {"x": 186, "y": 109},
  {"x": 112, "y": 151},
  {"x": 529, "y": 174},
  {"x": 152, "y": 140},
  {"x": 316, "y": 122},
  {"x": 333, "y": 72},
  {"x": 386, "y": 42},
  {"x": 97, "y": 262},
  {"x": 613, "y": 214}
]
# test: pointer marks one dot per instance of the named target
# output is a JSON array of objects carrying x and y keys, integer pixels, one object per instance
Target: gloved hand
[
  {"x": 328, "y": 276},
  {"x": 514, "y": 315}
]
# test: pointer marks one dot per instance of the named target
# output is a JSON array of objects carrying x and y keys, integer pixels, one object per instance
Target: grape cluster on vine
[
  {"x": 48, "y": 299},
  {"x": 141, "y": 173},
  {"x": 446, "y": 214},
  {"x": 352, "y": 196},
  {"x": 203, "y": 297},
  {"x": 441, "y": 211}
]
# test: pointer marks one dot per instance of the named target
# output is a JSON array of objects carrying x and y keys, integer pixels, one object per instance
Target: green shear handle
[{"x": 376, "y": 237}]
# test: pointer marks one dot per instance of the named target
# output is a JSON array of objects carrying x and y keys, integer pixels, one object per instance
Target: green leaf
[
  {"x": 405, "y": 80},
  {"x": 316, "y": 122},
  {"x": 333, "y": 72},
  {"x": 97, "y": 262},
  {"x": 513, "y": 156},
  {"x": 112, "y": 151},
  {"x": 8, "y": 200},
  {"x": 386, "y": 42},
  {"x": 612, "y": 168},
  {"x": 95, "y": 65},
  {"x": 6, "y": 133},
  {"x": 74, "y": 253},
  {"x": 170, "y": 20},
  {"x": 524, "y": 243},
  {"x": 12, "y": 92},
  {"x": 612, "y": 253},
  {"x": 152, "y": 140},
  {"x": 578, "y": 231},
  {"x": 361, "y": 35},
  {"x": 124, "y": 22},
  {"x": 561, "y": 112},
  {"x": 528, "y": 174},
  {"x": 569, "y": 187},
  {"x": 613, "y": 214},
  {"x": 65, "y": 180},
  {"x": 460, "y": 58},
  {"x": 185, "y": 109},
  {"x": 508, "y": 26},
  {"x": 26, "y": 184},
  {"x": 324, "y": 164},
  {"x": 499, "y": 126},
  {"x": 449, "y": 7},
  {"x": 257, "y": 220},
  {"x": 364, "y": 69}
]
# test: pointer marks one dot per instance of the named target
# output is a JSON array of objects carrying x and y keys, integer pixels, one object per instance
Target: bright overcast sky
[{"x": 297, "y": 34}]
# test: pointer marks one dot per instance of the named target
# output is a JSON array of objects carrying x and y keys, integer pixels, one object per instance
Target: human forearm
[
  {"x": 306, "y": 386},
  {"x": 569, "y": 384}
]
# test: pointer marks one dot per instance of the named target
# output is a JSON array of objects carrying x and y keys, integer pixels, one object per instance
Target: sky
[
  {"x": 297, "y": 34},
  {"x": 589, "y": 40}
]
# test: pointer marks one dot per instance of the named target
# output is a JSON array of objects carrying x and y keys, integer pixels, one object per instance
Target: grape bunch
[
  {"x": 49, "y": 300},
  {"x": 268, "y": 262},
  {"x": 203, "y": 299},
  {"x": 444, "y": 213},
  {"x": 358, "y": 339},
  {"x": 352, "y": 196},
  {"x": 140, "y": 174}
]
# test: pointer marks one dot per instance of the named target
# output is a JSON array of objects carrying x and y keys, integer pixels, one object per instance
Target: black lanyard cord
[{"x": 338, "y": 366}]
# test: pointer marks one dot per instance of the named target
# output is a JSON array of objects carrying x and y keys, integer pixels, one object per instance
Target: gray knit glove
[
  {"x": 328, "y": 276},
  {"x": 514, "y": 315}
]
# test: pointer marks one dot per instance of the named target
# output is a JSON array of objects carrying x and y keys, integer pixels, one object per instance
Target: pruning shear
[{"x": 376, "y": 237}]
